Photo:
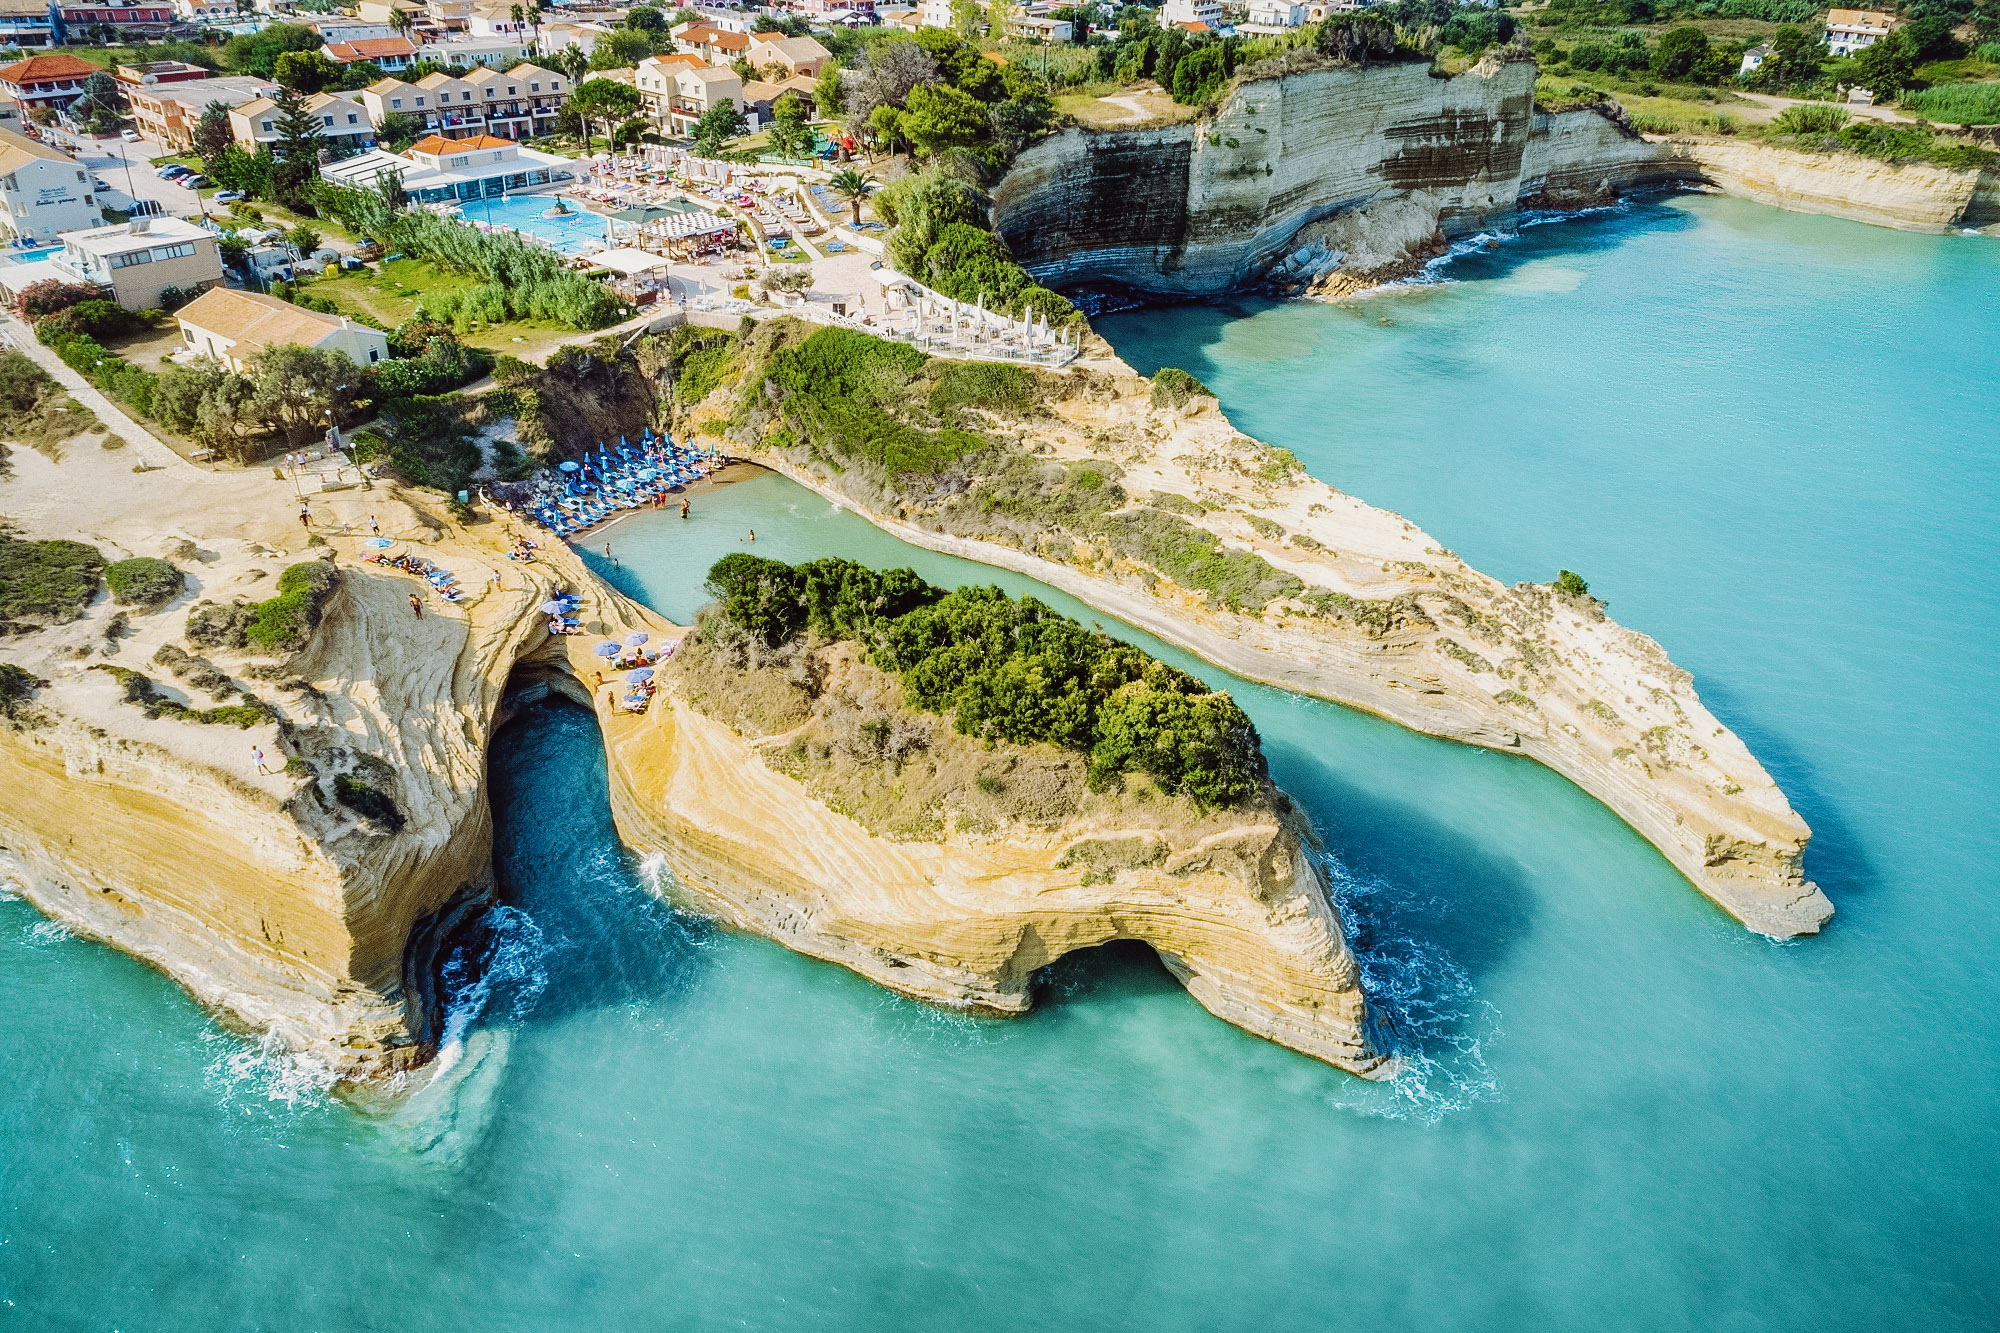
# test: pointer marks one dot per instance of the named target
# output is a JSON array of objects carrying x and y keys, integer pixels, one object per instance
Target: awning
[{"x": 628, "y": 261}]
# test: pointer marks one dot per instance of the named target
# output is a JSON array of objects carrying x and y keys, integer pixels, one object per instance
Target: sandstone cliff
[
  {"x": 1382, "y": 616},
  {"x": 1205, "y": 206},
  {"x": 291, "y": 913},
  {"x": 1912, "y": 196}
]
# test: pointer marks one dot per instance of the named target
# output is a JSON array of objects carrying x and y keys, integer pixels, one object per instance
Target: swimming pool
[{"x": 567, "y": 233}]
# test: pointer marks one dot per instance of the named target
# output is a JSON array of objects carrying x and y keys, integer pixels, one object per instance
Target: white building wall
[{"x": 46, "y": 198}]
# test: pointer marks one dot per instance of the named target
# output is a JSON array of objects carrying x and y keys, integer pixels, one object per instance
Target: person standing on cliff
[
  {"x": 257, "y": 753},
  {"x": 417, "y": 606}
]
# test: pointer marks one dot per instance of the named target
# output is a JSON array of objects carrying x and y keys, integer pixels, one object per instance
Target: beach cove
[{"x": 1623, "y": 1108}]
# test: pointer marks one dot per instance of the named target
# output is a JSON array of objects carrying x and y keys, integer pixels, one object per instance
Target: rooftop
[
  {"x": 370, "y": 48},
  {"x": 41, "y": 69},
  {"x": 1854, "y": 18},
  {"x": 17, "y": 150},
  {"x": 234, "y": 89},
  {"x": 436, "y": 145},
  {"x": 254, "y": 322},
  {"x": 121, "y": 238}
]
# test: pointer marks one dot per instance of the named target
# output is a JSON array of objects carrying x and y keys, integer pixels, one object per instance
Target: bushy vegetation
[
  {"x": 936, "y": 93},
  {"x": 143, "y": 581},
  {"x": 46, "y": 582},
  {"x": 1958, "y": 103},
  {"x": 517, "y": 278},
  {"x": 1008, "y": 670},
  {"x": 368, "y": 801},
  {"x": 139, "y": 691},
  {"x": 17, "y": 692},
  {"x": 96, "y": 318},
  {"x": 34, "y": 409},
  {"x": 941, "y": 240},
  {"x": 1811, "y": 118},
  {"x": 839, "y": 390},
  {"x": 1571, "y": 584},
  {"x": 285, "y": 622},
  {"x": 1174, "y": 387}
]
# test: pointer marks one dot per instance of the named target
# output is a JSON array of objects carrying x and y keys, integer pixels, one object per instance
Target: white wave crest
[
  {"x": 1428, "y": 1014},
  {"x": 265, "y": 1074},
  {"x": 502, "y": 971}
]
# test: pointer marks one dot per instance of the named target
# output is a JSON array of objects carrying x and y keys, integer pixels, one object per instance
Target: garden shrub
[{"x": 143, "y": 581}]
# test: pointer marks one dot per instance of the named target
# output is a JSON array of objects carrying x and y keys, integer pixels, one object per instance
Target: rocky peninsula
[{"x": 310, "y": 896}]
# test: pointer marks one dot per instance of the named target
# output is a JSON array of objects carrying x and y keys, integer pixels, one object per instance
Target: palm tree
[
  {"x": 852, "y": 186},
  {"x": 401, "y": 20}
]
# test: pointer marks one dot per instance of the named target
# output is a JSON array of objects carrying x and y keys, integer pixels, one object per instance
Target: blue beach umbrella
[
  {"x": 607, "y": 650},
  {"x": 643, "y": 673},
  {"x": 636, "y": 638}
]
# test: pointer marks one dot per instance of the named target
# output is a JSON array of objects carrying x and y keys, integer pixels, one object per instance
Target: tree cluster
[
  {"x": 935, "y": 91},
  {"x": 1009, "y": 670}
]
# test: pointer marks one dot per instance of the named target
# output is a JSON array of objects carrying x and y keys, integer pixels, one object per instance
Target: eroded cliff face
[
  {"x": 1912, "y": 196},
  {"x": 1388, "y": 620},
  {"x": 1239, "y": 911},
  {"x": 1205, "y": 206}
]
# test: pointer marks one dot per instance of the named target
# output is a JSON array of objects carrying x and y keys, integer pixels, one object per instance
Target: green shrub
[
  {"x": 1173, "y": 387},
  {"x": 983, "y": 384},
  {"x": 368, "y": 801},
  {"x": 213, "y": 626},
  {"x": 1811, "y": 118},
  {"x": 1571, "y": 584},
  {"x": 1958, "y": 103},
  {"x": 92, "y": 319},
  {"x": 143, "y": 581},
  {"x": 285, "y": 622},
  {"x": 47, "y": 582},
  {"x": 17, "y": 691},
  {"x": 838, "y": 386},
  {"x": 1008, "y": 670},
  {"x": 139, "y": 691}
]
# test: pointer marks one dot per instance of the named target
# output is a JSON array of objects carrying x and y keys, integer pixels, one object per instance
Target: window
[
  {"x": 420, "y": 101},
  {"x": 465, "y": 96},
  {"x": 374, "y": 355},
  {"x": 267, "y": 127},
  {"x": 328, "y": 120},
  {"x": 489, "y": 92},
  {"x": 511, "y": 90},
  {"x": 396, "y": 103}
]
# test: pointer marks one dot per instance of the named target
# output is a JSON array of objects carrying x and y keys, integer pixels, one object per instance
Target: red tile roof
[
  {"x": 41, "y": 69},
  {"x": 437, "y": 145}
]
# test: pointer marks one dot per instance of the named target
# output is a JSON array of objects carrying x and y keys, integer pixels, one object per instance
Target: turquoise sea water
[{"x": 1768, "y": 440}]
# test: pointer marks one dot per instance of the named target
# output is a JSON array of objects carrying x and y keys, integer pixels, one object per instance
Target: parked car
[
  {"x": 228, "y": 196},
  {"x": 129, "y": 136},
  {"x": 195, "y": 182},
  {"x": 173, "y": 170}
]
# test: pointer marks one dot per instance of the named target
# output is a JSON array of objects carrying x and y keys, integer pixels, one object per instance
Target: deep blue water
[{"x": 1768, "y": 440}]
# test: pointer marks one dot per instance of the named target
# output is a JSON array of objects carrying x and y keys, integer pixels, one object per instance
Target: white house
[
  {"x": 1850, "y": 30},
  {"x": 235, "y": 328},
  {"x": 1191, "y": 11},
  {"x": 464, "y": 52},
  {"x": 135, "y": 261},
  {"x": 1753, "y": 59},
  {"x": 45, "y": 192},
  {"x": 1273, "y": 16}
]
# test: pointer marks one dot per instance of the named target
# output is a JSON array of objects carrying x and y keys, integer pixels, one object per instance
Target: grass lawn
[{"x": 391, "y": 293}]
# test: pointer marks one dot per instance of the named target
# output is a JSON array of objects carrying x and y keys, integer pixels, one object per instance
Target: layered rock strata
[
  {"x": 1911, "y": 196},
  {"x": 288, "y": 912},
  {"x": 1388, "y": 620},
  {"x": 1208, "y": 205}
]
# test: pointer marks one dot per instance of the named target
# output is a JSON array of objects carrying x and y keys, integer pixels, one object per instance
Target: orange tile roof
[
  {"x": 39, "y": 69},
  {"x": 370, "y": 48},
  {"x": 255, "y": 323},
  {"x": 436, "y": 145}
]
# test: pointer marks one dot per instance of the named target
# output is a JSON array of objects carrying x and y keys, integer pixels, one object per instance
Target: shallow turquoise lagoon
[{"x": 1768, "y": 440}]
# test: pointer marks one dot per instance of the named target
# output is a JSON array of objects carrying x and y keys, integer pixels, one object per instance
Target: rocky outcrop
[
  {"x": 1206, "y": 206},
  {"x": 1387, "y": 620},
  {"x": 1912, "y": 196},
  {"x": 1240, "y": 915},
  {"x": 291, "y": 910}
]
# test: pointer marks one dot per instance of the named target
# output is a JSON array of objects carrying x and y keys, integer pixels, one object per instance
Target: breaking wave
[
  {"x": 264, "y": 1075},
  {"x": 497, "y": 972},
  {"x": 1428, "y": 1014}
]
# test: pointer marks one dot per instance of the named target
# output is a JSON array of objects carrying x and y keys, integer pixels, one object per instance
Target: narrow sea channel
[{"x": 1768, "y": 440}]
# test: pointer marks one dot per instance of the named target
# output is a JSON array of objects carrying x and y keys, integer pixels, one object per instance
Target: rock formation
[
  {"x": 1207, "y": 205},
  {"x": 1382, "y": 617},
  {"x": 1911, "y": 196},
  {"x": 288, "y": 911}
]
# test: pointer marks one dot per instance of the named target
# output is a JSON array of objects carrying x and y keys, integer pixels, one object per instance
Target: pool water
[{"x": 569, "y": 233}]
